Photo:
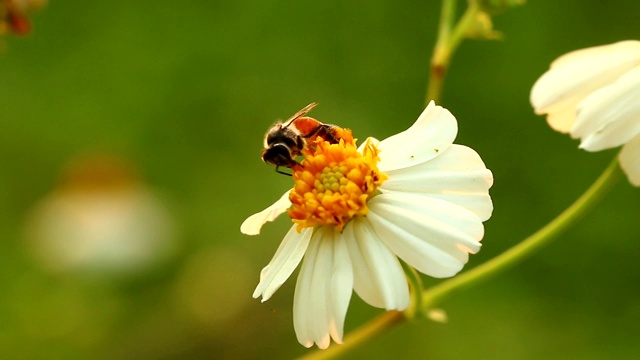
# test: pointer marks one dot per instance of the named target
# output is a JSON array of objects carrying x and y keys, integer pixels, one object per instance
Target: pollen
[{"x": 334, "y": 183}]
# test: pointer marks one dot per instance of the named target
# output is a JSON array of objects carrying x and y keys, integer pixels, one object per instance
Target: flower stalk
[
  {"x": 440, "y": 292},
  {"x": 415, "y": 281},
  {"x": 449, "y": 38}
]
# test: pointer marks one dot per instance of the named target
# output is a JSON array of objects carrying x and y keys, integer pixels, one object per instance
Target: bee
[{"x": 286, "y": 140}]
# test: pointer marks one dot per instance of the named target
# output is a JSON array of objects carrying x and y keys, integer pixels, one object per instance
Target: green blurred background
[{"x": 184, "y": 91}]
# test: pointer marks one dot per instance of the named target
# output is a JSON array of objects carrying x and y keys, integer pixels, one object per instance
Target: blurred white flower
[
  {"x": 100, "y": 220},
  {"x": 415, "y": 195},
  {"x": 593, "y": 94}
]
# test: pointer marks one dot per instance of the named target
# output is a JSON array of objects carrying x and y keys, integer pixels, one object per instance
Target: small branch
[{"x": 447, "y": 44}]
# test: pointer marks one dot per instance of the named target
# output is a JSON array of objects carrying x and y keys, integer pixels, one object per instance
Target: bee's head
[{"x": 278, "y": 154}]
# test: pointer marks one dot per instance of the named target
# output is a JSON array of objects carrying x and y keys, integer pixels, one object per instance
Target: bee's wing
[{"x": 302, "y": 112}]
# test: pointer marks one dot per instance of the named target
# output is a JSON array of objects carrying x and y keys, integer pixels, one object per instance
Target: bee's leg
[
  {"x": 282, "y": 172},
  {"x": 325, "y": 131}
]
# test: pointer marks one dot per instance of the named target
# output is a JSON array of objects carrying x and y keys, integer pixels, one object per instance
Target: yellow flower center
[{"x": 333, "y": 183}]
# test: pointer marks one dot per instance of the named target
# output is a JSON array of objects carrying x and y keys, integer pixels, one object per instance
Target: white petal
[
  {"x": 323, "y": 290},
  {"x": 610, "y": 116},
  {"x": 630, "y": 160},
  {"x": 458, "y": 175},
  {"x": 285, "y": 260},
  {"x": 620, "y": 49},
  {"x": 305, "y": 308},
  {"x": 432, "y": 133},
  {"x": 253, "y": 224},
  {"x": 378, "y": 277},
  {"x": 432, "y": 235},
  {"x": 564, "y": 115},
  {"x": 576, "y": 74}
]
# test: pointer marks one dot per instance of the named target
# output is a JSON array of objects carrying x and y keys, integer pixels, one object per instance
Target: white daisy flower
[
  {"x": 592, "y": 94},
  {"x": 415, "y": 196}
]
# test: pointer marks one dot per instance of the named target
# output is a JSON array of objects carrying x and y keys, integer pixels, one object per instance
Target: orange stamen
[{"x": 334, "y": 183}]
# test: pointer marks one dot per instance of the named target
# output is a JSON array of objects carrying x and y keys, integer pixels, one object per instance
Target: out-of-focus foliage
[
  {"x": 14, "y": 15},
  {"x": 183, "y": 92}
]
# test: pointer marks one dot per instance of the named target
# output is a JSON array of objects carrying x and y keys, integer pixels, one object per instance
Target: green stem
[
  {"x": 359, "y": 336},
  {"x": 531, "y": 244},
  {"x": 415, "y": 281},
  {"x": 500, "y": 263},
  {"x": 447, "y": 43}
]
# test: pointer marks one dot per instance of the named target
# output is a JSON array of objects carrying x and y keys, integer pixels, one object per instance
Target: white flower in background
[
  {"x": 414, "y": 196},
  {"x": 594, "y": 95},
  {"x": 101, "y": 220}
]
